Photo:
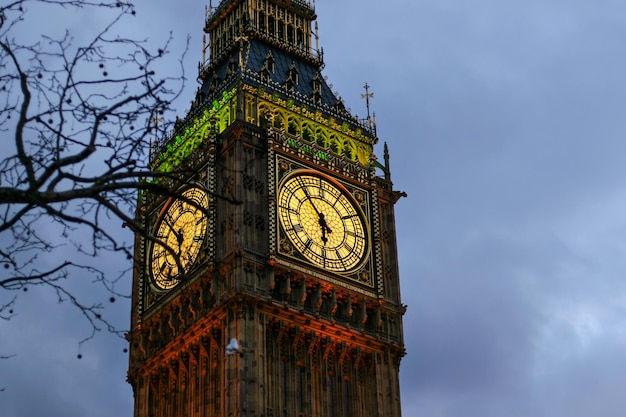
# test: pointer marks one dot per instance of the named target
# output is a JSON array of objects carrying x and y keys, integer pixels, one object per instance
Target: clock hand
[
  {"x": 168, "y": 220},
  {"x": 323, "y": 224},
  {"x": 179, "y": 238},
  {"x": 308, "y": 197},
  {"x": 320, "y": 215},
  {"x": 324, "y": 238},
  {"x": 322, "y": 221},
  {"x": 324, "y": 227}
]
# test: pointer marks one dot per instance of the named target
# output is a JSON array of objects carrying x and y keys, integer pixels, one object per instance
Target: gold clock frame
[{"x": 323, "y": 221}]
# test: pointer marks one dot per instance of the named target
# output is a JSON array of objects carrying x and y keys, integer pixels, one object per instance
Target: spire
[
  {"x": 386, "y": 159},
  {"x": 371, "y": 124}
]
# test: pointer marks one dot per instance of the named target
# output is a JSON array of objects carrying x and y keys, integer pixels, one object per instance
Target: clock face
[
  {"x": 180, "y": 231},
  {"x": 323, "y": 222}
]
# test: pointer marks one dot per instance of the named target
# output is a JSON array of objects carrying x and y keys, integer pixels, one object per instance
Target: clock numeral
[
  {"x": 308, "y": 243},
  {"x": 289, "y": 209},
  {"x": 356, "y": 235},
  {"x": 340, "y": 259},
  {"x": 347, "y": 248}
]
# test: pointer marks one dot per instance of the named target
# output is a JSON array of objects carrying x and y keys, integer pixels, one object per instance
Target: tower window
[
  {"x": 317, "y": 84},
  {"x": 292, "y": 74},
  {"x": 269, "y": 62},
  {"x": 346, "y": 398},
  {"x": 331, "y": 399},
  {"x": 290, "y": 37},
  {"x": 268, "y": 66},
  {"x": 300, "y": 39},
  {"x": 317, "y": 89},
  {"x": 283, "y": 368},
  {"x": 300, "y": 388},
  {"x": 281, "y": 30},
  {"x": 289, "y": 86},
  {"x": 317, "y": 98}
]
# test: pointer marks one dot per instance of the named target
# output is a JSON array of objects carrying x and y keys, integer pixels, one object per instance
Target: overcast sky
[{"x": 506, "y": 126}]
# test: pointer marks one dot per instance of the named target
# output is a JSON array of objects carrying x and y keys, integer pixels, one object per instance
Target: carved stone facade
[{"x": 314, "y": 343}]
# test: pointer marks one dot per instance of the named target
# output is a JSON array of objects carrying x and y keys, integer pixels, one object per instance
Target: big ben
[{"x": 268, "y": 283}]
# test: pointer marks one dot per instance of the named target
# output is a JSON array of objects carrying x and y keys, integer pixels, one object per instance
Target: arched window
[
  {"x": 321, "y": 137},
  {"x": 307, "y": 132},
  {"x": 335, "y": 144},
  {"x": 294, "y": 126},
  {"x": 279, "y": 120},
  {"x": 348, "y": 149}
]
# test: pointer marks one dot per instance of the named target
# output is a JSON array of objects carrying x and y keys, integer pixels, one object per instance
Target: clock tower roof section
[
  {"x": 268, "y": 44},
  {"x": 283, "y": 23}
]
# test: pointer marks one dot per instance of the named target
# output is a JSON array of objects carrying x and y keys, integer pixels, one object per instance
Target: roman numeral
[
  {"x": 289, "y": 209},
  {"x": 340, "y": 259}
]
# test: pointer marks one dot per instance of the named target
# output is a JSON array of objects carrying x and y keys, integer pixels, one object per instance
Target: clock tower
[{"x": 268, "y": 283}]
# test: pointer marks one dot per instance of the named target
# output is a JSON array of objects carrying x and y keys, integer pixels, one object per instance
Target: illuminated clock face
[
  {"x": 323, "y": 222},
  {"x": 180, "y": 231}
]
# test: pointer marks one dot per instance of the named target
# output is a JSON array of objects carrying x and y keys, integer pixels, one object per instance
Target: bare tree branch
[{"x": 82, "y": 119}]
